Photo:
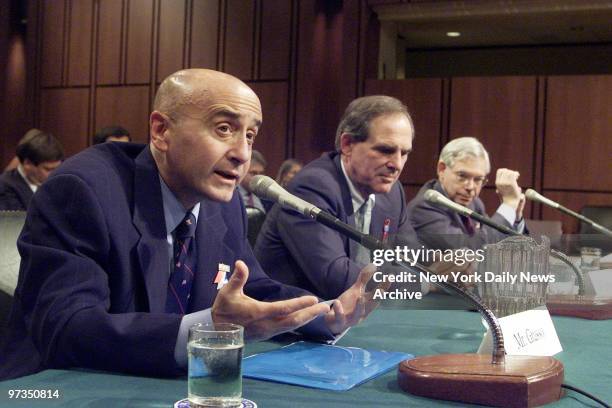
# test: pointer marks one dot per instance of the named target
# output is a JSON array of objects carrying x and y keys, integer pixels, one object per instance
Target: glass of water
[{"x": 215, "y": 364}]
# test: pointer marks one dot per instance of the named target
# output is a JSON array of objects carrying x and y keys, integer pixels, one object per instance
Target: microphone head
[
  {"x": 435, "y": 197},
  {"x": 260, "y": 185},
  {"x": 266, "y": 187},
  {"x": 432, "y": 196},
  {"x": 535, "y": 196},
  {"x": 532, "y": 194}
]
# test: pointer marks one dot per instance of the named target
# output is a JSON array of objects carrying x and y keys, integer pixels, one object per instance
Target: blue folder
[{"x": 321, "y": 366}]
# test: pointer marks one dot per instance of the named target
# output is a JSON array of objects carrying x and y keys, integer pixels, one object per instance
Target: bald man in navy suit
[{"x": 97, "y": 248}]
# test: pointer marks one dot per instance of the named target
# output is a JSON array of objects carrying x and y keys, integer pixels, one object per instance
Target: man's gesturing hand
[
  {"x": 355, "y": 304},
  {"x": 506, "y": 184},
  {"x": 262, "y": 320}
]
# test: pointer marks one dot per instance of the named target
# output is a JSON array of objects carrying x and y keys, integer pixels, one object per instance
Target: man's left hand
[{"x": 355, "y": 304}]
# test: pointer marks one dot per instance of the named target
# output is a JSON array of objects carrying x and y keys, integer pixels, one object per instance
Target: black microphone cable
[{"x": 586, "y": 394}]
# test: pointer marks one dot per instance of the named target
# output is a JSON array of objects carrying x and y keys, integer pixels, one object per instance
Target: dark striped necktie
[
  {"x": 185, "y": 259},
  {"x": 468, "y": 224}
]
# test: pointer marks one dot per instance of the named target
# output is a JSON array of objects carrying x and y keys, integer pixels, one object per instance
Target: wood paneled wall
[
  {"x": 556, "y": 131},
  {"x": 99, "y": 62},
  {"x": 13, "y": 69},
  {"x": 5, "y": 143}
]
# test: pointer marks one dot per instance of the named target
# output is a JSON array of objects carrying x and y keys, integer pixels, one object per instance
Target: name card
[
  {"x": 530, "y": 333},
  {"x": 598, "y": 283}
]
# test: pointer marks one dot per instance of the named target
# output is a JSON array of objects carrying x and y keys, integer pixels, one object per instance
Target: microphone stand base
[
  {"x": 585, "y": 307},
  {"x": 522, "y": 381}
]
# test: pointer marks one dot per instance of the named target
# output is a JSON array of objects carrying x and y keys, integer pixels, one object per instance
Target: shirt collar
[
  {"x": 21, "y": 172},
  {"x": 356, "y": 197},
  {"x": 243, "y": 191},
  {"x": 174, "y": 212}
]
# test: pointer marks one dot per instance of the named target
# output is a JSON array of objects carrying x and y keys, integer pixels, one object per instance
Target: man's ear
[
  {"x": 158, "y": 129},
  {"x": 441, "y": 167},
  {"x": 346, "y": 144}
]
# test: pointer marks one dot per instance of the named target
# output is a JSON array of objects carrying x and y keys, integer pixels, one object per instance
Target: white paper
[{"x": 530, "y": 333}]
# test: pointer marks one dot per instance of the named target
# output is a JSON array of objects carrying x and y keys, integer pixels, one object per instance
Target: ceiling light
[{"x": 453, "y": 34}]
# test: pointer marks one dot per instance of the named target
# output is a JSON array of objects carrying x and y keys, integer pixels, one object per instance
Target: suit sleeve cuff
[
  {"x": 180, "y": 350},
  {"x": 508, "y": 213}
]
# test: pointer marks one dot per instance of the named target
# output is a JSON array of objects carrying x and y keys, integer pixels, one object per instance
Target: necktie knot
[
  {"x": 365, "y": 207},
  {"x": 362, "y": 212},
  {"x": 186, "y": 229}
]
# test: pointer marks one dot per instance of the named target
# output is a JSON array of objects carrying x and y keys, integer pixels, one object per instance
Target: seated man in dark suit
[
  {"x": 127, "y": 245},
  {"x": 358, "y": 184},
  {"x": 462, "y": 172},
  {"x": 39, "y": 153}
]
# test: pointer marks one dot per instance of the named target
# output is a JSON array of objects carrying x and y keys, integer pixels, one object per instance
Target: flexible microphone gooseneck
[
  {"x": 435, "y": 197},
  {"x": 535, "y": 196},
  {"x": 266, "y": 187}
]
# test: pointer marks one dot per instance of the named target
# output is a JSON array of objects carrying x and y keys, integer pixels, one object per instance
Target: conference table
[{"x": 396, "y": 326}]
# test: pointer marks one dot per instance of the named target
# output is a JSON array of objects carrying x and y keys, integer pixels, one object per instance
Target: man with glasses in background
[{"x": 462, "y": 171}]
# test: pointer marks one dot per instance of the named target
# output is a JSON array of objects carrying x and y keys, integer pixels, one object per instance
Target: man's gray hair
[
  {"x": 462, "y": 147},
  {"x": 257, "y": 157},
  {"x": 362, "y": 111}
]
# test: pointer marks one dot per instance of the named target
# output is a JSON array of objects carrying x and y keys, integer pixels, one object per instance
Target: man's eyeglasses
[{"x": 464, "y": 178}]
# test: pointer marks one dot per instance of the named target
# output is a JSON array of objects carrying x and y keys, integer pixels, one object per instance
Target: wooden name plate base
[
  {"x": 585, "y": 307},
  {"x": 522, "y": 381}
]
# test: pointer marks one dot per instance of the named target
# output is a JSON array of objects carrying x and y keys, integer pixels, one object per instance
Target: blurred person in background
[
  {"x": 111, "y": 134},
  {"x": 38, "y": 154},
  {"x": 257, "y": 167},
  {"x": 287, "y": 171}
]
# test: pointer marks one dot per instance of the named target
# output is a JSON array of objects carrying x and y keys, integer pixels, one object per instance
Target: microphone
[
  {"x": 266, "y": 187},
  {"x": 535, "y": 196},
  {"x": 436, "y": 197},
  {"x": 427, "y": 375}
]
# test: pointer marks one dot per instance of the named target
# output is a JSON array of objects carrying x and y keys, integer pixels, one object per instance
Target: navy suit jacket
[
  {"x": 95, "y": 267},
  {"x": 299, "y": 251},
  {"x": 441, "y": 228},
  {"x": 15, "y": 193}
]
